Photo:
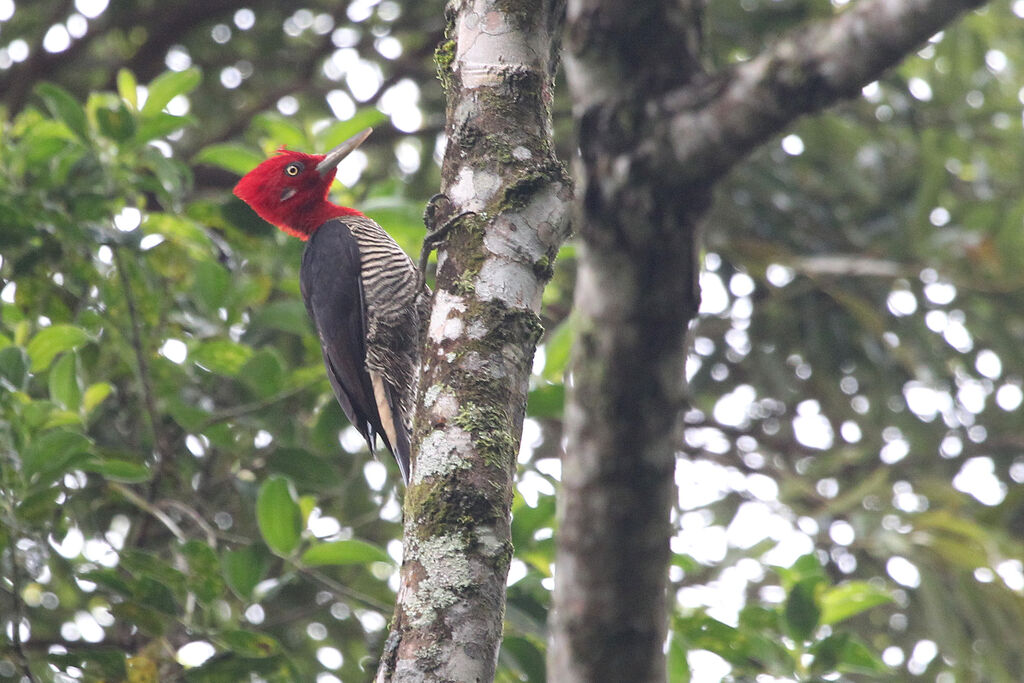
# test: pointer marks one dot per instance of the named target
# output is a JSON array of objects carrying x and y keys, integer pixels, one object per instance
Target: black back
[{"x": 332, "y": 287}]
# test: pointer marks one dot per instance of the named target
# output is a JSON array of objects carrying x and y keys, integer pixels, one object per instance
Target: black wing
[{"x": 332, "y": 288}]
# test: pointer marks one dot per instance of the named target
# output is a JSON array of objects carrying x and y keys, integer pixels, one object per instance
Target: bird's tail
[{"x": 396, "y": 433}]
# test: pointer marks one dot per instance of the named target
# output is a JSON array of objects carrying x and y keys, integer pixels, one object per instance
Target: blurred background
[{"x": 182, "y": 499}]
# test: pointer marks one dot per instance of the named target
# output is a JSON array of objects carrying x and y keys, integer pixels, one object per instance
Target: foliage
[
  {"x": 794, "y": 639},
  {"x": 154, "y": 492},
  {"x": 170, "y": 477}
]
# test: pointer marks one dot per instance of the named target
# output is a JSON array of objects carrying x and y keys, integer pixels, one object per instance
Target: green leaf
[
  {"x": 526, "y": 520},
  {"x": 737, "y": 646},
  {"x": 146, "y": 565},
  {"x": 160, "y": 125},
  {"x": 167, "y": 86},
  {"x": 171, "y": 177},
  {"x": 110, "y": 579},
  {"x": 38, "y": 506},
  {"x": 117, "y": 124},
  {"x": 249, "y": 643},
  {"x": 842, "y": 653},
  {"x": 802, "y": 613},
  {"x": 148, "y": 620},
  {"x": 221, "y": 356},
  {"x": 64, "y": 106},
  {"x": 98, "y": 664},
  {"x": 211, "y": 284},
  {"x": 352, "y": 551},
  {"x": 181, "y": 231},
  {"x": 243, "y": 569},
  {"x": 286, "y": 316},
  {"x": 229, "y": 156},
  {"x": 62, "y": 418},
  {"x": 304, "y": 468},
  {"x": 546, "y": 401},
  {"x": 339, "y": 131},
  {"x": 127, "y": 87},
  {"x": 804, "y": 567},
  {"x": 95, "y": 394},
  {"x": 557, "y": 349},
  {"x": 678, "y": 666},
  {"x": 685, "y": 562},
  {"x": 856, "y": 657},
  {"x": 157, "y": 594},
  {"x": 14, "y": 367},
  {"x": 526, "y": 656},
  {"x": 52, "y": 453},
  {"x": 282, "y": 131},
  {"x": 34, "y": 414},
  {"x": 65, "y": 387},
  {"x": 307, "y": 504},
  {"x": 826, "y": 653},
  {"x": 50, "y": 341},
  {"x": 759, "y": 618},
  {"x": 264, "y": 373},
  {"x": 278, "y": 515},
  {"x": 853, "y": 597},
  {"x": 114, "y": 469},
  {"x": 204, "y": 579}
]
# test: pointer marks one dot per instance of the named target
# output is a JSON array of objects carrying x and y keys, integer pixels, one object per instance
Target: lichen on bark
[{"x": 510, "y": 196}]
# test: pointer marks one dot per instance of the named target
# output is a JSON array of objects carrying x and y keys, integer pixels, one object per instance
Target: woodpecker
[{"x": 364, "y": 295}]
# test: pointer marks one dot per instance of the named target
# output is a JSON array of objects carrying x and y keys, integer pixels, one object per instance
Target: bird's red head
[{"x": 289, "y": 190}]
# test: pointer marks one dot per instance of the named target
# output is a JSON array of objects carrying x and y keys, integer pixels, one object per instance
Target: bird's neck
[{"x": 304, "y": 222}]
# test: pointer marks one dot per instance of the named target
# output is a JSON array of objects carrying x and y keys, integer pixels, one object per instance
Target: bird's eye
[{"x": 293, "y": 169}]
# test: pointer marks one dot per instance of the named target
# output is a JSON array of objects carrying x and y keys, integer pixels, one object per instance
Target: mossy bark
[{"x": 511, "y": 197}]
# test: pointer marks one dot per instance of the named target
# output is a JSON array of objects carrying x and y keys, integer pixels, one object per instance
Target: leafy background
[{"x": 181, "y": 498}]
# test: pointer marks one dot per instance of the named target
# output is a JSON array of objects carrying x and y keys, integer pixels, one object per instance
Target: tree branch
[{"x": 712, "y": 126}]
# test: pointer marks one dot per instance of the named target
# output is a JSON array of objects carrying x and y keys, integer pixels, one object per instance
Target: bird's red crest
[{"x": 289, "y": 189}]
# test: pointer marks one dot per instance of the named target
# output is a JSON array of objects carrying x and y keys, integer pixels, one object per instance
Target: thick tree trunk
[
  {"x": 655, "y": 134},
  {"x": 511, "y": 199}
]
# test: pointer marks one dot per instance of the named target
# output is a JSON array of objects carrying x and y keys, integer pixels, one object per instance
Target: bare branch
[{"x": 712, "y": 126}]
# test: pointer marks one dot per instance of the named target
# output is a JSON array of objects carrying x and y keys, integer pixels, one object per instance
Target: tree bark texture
[
  {"x": 655, "y": 134},
  {"x": 510, "y": 199}
]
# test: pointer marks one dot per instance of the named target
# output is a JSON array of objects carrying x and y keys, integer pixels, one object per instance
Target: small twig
[
  {"x": 255, "y": 406},
  {"x": 340, "y": 589},
  {"x": 145, "y": 386},
  {"x": 142, "y": 363},
  {"x": 211, "y": 533},
  {"x": 146, "y": 506},
  {"x": 19, "y": 616},
  {"x": 15, "y": 580}
]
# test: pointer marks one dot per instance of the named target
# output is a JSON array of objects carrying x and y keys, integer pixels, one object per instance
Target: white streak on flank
[{"x": 387, "y": 420}]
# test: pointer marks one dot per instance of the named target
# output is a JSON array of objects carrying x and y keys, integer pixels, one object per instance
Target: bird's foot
[
  {"x": 439, "y": 219},
  {"x": 437, "y": 212}
]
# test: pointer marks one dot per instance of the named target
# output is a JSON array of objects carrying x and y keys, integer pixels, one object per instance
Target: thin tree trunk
[
  {"x": 655, "y": 134},
  {"x": 511, "y": 198}
]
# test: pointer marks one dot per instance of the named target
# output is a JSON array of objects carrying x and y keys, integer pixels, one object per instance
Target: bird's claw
[
  {"x": 438, "y": 218},
  {"x": 438, "y": 210}
]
